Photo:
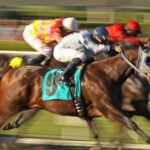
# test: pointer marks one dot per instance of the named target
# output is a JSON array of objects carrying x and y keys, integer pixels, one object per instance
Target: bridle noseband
[{"x": 146, "y": 75}]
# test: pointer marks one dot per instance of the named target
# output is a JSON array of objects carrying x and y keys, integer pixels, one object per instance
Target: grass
[
  {"x": 49, "y": 125},
  {"x": 15, "y": 45}
]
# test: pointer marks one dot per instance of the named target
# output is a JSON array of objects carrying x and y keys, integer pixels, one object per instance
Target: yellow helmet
[{"x": 16, "y": 62}]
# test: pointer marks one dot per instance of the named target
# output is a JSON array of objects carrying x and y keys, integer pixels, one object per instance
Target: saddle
[{"x": 53, "y": 90}]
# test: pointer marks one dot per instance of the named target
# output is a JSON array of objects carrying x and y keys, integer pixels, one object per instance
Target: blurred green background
[{"x": 14, "y": 15}]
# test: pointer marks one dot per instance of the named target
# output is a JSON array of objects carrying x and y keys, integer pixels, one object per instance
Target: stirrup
[{"x": 64, "y": 81}]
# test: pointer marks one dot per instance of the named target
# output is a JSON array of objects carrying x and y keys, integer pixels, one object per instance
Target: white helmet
[{"x": 70, "y": 23}]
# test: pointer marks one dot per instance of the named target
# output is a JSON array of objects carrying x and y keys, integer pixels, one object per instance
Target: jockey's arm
[{"x": 87, "y": 41}]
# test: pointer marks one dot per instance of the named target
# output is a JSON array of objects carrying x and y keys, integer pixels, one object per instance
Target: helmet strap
[{"x": 97, "y": 39}]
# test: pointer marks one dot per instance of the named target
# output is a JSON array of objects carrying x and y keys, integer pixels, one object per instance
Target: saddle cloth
[{"x": 53, "y": 90}]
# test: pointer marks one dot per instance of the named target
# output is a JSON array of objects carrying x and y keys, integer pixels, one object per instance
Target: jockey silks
[{"x": 48, "y": 30}]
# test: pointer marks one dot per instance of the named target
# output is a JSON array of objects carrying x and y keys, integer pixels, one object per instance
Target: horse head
[{"x": 143, "y": 63}]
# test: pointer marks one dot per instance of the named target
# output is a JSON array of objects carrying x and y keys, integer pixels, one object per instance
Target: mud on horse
[{"x": 102, "y": 79}]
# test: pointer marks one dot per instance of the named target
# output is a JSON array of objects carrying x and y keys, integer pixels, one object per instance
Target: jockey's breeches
[{"x": 67, "y": 54}]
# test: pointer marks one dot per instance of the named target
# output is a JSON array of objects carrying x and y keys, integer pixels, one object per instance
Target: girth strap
[{"x": 78, "y": 104}]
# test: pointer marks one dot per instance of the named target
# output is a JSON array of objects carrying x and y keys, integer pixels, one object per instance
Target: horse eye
[
  {"x": 147, "y": 61},
  {"x": 146, "y": 49}
]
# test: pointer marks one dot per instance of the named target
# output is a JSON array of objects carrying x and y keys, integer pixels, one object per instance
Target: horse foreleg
[
  {"x": 93, "y": 129},
  {"x": 24, "y": 117},
  {"x": 133, "y": 126},
  {"x": 111, "y": 113}
]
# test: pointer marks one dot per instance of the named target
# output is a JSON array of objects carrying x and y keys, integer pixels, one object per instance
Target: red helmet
[{"x": 133, "y": 27}]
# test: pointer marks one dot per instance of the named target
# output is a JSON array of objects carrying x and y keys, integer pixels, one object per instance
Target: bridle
[{"x": 146, "y": 74}]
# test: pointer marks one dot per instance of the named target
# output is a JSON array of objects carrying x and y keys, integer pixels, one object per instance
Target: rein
[{"x": 133, "y": 66}]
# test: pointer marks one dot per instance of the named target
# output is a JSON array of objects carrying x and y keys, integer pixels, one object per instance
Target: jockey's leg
[
  {"x": 75, "y": 57},
  {"x": 69, "y": 71},
  {"x": 44, "y": 49},
  {"x": 36, "y": 60}
]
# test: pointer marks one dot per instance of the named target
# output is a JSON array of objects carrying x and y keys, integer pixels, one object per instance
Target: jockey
[
  {"x": 127, "y": 33},
  {"x": 118, "y": 32},
  {"x": 80, "y": 46},
  {"x": 43, "y": 35}
]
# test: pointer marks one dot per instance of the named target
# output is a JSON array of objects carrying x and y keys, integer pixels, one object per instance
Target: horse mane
[
  {"x": 4, "y": 59},
  {"x": 115, "y": 66},
  {"x": 4, "y": 64}
]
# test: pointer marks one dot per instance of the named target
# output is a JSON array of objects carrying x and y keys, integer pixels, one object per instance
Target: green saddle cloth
[{"x": 53, "y": 90}]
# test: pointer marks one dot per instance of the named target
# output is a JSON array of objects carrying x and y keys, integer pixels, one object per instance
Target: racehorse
[{"x": 101, "y": 87}]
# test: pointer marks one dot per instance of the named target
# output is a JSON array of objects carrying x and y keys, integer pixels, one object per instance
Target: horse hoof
[
  {"x": 7, "y": 126},
  {"x": 148, "y": 141},
  {"x": 95, "y": 148}
]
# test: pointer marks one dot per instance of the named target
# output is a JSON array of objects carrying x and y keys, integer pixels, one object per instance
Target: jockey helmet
[
  {"x": 16, "y": 62},
  {"x": 133, "y": 27},
  {"x": 101, "y": 34},
  {"x": 70, "y": 23}
]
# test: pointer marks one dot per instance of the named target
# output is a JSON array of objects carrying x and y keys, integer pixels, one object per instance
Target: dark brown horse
[{"x": 102, "y": 79}]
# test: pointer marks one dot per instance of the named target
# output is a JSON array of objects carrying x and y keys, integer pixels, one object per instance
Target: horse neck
[{"x": 116, "y": 67}]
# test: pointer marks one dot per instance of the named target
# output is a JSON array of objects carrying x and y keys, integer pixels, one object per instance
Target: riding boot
[
  {"x": 36, "y": 60},
  {"x": 69, "y": 71}
]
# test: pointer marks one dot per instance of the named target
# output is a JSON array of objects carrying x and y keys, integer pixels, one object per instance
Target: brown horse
[
  {"x": 4, "y": 63},
  {"x": 102, "y": 79},
  {"x": 53, "y": 63}
]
